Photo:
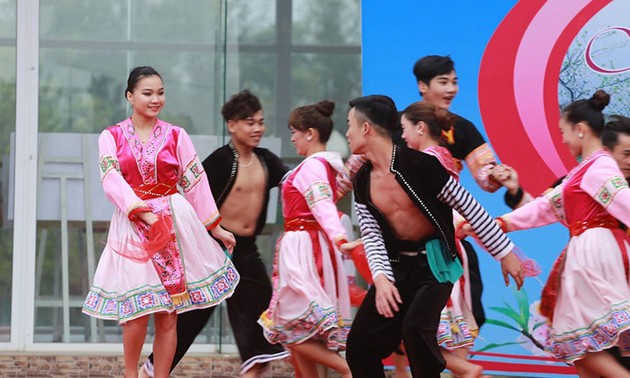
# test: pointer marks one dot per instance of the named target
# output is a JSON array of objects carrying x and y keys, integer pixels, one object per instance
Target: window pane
[
  {"x": 83, "y": 76},
  {"x": 7, "y": 19},
  {"x": 86, "y": 20},
  {"x": 335, "y": 77},
  {"x": 7, "y": 160},
  {"x": 251, "y": 21},
  {"x": 162, "y": 21},
  {"x": 159, "y": 21},
  {"x": 333, "y": 22},
  {"x": 193, "y": 87},
  {"x": 256, "y": 72}
]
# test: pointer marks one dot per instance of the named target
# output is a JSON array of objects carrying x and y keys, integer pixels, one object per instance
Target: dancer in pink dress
[
  {"x": 159, "y": 258},
  {"x": 423, "y": 125},
  {"x": 309, "y": 312},
  {"x": 587, "y": 296}
]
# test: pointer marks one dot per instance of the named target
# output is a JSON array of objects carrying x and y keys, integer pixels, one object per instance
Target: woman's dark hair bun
[
  {"x": 325, "y": 107},
  {"x": 600, "y": 100}
]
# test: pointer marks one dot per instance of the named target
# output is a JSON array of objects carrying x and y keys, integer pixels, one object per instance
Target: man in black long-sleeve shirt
[{"x": 404, "y": 200}]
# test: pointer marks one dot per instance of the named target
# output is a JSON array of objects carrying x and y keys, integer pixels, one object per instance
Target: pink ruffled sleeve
[
  {"x": 604, "y": 182},
  {"x": 194, "y": 182},
  {"x": 539, "y": 212},
  {"x": 116, "y": 189},
  {"x": 312, "y": 181}
]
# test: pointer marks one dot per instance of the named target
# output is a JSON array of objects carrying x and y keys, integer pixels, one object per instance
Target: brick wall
[
  {"x": 58, "y": 366},
  {"x": 98, "y": 366}
]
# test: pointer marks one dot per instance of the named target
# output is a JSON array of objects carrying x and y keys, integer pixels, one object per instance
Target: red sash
[
  {"x": 312, "y": 227},
  {"x": 149, "y": 191}
]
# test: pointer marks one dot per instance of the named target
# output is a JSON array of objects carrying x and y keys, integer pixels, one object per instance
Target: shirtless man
[
  {"x": 404, "y": 200},
  {"x": 241, "y": 176}
]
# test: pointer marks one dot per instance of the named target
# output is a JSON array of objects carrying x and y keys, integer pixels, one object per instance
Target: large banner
[{"x": 518, "y": 63}]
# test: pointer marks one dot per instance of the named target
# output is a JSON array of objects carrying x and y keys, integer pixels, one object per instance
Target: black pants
[
  {"x": 374, "y": 337},
  {"x": 250, "y": 299},
  {"x": 624, "y": 361},
  {"x": 476, "y": 286}
]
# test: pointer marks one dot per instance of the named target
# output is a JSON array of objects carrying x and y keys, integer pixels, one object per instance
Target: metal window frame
[{"x": 26, "y": 118}]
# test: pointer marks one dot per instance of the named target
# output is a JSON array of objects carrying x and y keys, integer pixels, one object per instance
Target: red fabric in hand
[
  {"x": 360, "y": 262},
  {"x": 159, "y": 234},
  {"x": 357, "y": 294}
]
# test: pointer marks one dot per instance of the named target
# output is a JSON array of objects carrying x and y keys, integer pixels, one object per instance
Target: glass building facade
[{"x": 64, "y": 69}]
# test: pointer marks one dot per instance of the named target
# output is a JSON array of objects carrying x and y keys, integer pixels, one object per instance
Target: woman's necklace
[{"x": 142, "y": 133}]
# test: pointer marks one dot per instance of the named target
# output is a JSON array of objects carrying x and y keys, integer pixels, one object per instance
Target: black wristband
[{"x": 513, "y": 200}]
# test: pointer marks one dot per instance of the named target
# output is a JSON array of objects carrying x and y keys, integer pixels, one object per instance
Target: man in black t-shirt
[{"x": 438, "y": 84}]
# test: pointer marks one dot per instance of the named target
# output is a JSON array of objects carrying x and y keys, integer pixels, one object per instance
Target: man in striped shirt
[{"x": 404, "y": 200}]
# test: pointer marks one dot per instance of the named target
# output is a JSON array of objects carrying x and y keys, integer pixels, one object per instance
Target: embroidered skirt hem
[
  {"x": 316, "y": 323},
  {"x": 150, "y": 299}
]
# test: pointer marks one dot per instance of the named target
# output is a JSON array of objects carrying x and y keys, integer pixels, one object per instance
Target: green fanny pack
[{"x": 442, "y": 266}]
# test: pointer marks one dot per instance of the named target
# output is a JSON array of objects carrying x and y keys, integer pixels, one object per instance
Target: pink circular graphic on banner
[
  {"x": 588, "y": 52},
  {"x": 518, "y": 85},
  {"x": 532, "y": 57}
]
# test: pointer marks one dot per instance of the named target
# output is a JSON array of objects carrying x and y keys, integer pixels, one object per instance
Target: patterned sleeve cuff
[
  {"x": 108, "y": 163},
  {"x": 191, "y": 175},
  {"x": 502, "y": 224},
  {"x": 212, "y": 225},
  {"x": 339, "y": 241}
]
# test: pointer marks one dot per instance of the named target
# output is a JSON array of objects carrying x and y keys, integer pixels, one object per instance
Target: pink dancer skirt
[
  {"x": 125, "y": 289},
  {"x": 592, "y": 311},
  {"x": 301, "y": 308}
]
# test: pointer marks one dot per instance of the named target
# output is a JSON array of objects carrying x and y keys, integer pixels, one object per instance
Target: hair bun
[
  {"x": 445, "y": 119},
  {"x": 325, "y": 107},
  {"x": 600, "y": 100}
]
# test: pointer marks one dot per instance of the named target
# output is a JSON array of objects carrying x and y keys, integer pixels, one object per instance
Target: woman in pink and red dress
[
  {"x": 422, "y": 129},
  {"x": 587, "y": 297},
  {"x": 159, "y": 258},
  {"x": 309, "y": 312}
]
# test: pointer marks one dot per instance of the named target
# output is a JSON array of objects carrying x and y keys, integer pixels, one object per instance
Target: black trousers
[
  {"x": 374, "y": 337},
  {"x": 624, "y": 361},
  {"x": 476, "y": 286},
  {"x": 251, "y": 297}
]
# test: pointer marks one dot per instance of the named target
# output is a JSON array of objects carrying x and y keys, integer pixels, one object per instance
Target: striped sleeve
[
  {"x": 487, "y": 230},
  {"x": 373, "y": 242}
]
